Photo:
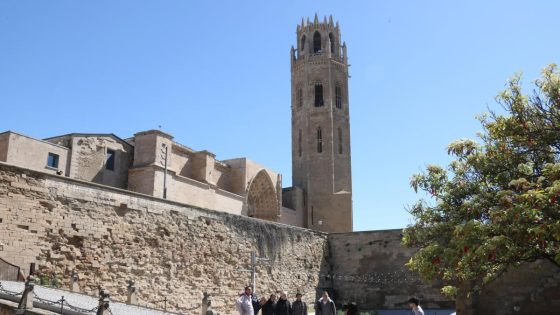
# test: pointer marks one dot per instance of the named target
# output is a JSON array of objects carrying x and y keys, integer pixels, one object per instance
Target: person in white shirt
[
  {"x": 244, "y": 304},
  {"x": 414, "y": 304}
]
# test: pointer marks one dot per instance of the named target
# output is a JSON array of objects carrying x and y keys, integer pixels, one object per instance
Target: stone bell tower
[{"x": 321, "y": 126}]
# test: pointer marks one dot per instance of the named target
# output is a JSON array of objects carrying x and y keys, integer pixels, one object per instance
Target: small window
[
  {"x": 110, "y": 161},
  {"x": 302, "y": 43},
  {"x": 339, "y": 141},
  {"x": 338, "y": 96},
  {"x": 52, "y": 160},
  {"x": 299, "y": 97},
  {"x": 316, "y": 42},
  {"x": 319, "y": 140},
  {"x": 319, "y": 95}
]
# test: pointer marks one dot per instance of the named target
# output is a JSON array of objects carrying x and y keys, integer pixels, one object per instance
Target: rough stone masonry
[{"x": 110, "y": 236}]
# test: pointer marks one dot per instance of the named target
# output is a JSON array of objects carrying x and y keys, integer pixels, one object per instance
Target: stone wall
[
  {"x": 368, "y": 268},
  {"x": 533, "y": 288},
  {"x": 110, "y": 236}
]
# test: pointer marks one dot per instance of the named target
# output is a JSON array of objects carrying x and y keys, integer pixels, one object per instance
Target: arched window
[
  {"x": 299, "y": 143},
  {"x": 319, "y": 95},
  {"x": 302, "y": 46},
  {"x": 299, "y": 97},
  {"x": 338, "y": 96},
  {"x": 319, "y": 140},
  {"x": 339, "y": 141},
  {"x": 331, "y": 38},
  {"x": 316, "y": 42}
]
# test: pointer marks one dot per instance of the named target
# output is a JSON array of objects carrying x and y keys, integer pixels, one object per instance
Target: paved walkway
[{"x": 85, "y": 303}]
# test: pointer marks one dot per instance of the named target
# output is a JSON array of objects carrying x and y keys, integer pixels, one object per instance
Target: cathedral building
[{"x": 151, "y": 163}]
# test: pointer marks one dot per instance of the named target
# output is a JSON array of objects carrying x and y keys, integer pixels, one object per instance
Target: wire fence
[{"x": 63, "y": 306}]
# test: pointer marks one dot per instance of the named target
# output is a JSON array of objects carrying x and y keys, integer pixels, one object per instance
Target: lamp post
[{"x": 253, "y": 269}]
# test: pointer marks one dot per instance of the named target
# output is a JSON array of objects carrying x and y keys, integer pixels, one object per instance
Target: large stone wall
[
  {"x": 533, "y": 288},
  {"x": 368, "y": 268},
  {"x": 110, "y": 236}
]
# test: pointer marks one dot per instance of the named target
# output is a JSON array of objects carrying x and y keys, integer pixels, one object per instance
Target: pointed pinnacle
[
  {"x": 316, "y": 20},
  {"x": 330, "y": 20}
]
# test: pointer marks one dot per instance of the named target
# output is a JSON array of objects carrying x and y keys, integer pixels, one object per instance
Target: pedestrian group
[{"x": 248, "y": 304}]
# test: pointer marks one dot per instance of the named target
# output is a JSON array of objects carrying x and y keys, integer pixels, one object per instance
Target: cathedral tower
[{"x": 321, "y": 126}]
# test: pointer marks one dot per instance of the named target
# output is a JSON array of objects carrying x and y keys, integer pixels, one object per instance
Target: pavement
[{"x": 81, "y": 301}]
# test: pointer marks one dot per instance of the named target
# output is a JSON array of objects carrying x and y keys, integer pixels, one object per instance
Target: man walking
[
  {"x": 270, "y": 306},
  {"x": 325, "y": 306},
  {"x": 283, "y": 306},
  {"x": 299, "y": 307},
  {"x": 414, "y": 304},
  {"x": 244, "y": 304}
]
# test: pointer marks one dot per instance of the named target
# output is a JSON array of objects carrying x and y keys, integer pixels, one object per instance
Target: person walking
[
  {"x": 325, "y": 306},
  {"x": 414, "y": 305},
  {"x": 270, "y": 306},
  {"x": 283, "y": 306},
  {"x": 299, "y": 307},
  {"x": 244, "y": 303},
  {"x": 350, "y": 309}
]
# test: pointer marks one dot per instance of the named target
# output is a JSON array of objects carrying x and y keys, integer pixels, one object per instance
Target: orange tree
[{"x": 496, "y": 205}]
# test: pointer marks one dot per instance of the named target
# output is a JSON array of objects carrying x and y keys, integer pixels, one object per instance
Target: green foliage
[{"x": 497, "y": 203}]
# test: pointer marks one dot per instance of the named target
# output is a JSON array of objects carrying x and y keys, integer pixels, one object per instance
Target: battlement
[{"x": 326, "y": 25}]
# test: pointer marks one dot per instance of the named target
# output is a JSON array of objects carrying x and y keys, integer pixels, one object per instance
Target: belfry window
[
  {"x": 299, "y": 96},
  {"x": 319, "y": 140},
  {"x": 338, "y": 96},
  {"x": 339, "y": 141},
  {"x": 319, "y": 95},
  {"x": 302, "y": 47},
  {"x": 331, "y": 38},
  {"x": 299, "y": 143},
  {"x": 316, "y": 42}
]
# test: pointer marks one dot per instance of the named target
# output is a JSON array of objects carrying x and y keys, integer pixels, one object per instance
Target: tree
[{"x": 496, "y": 205}]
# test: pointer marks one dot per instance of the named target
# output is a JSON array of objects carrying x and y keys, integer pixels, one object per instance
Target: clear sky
[{"x": 216, "y": 75}]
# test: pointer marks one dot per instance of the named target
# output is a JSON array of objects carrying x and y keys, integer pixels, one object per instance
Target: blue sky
[{"x": 216, "y": 75}]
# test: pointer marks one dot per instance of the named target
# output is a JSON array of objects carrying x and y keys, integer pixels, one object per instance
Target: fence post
[
  {"x": 206, "y": 303},
  {"x": 62, "y": 305},
  {"x": 26, "y": 302},
  {"x": 131, "y": 299},
  {"x": 74, "y": 285},
  {"x": 103, "y": 306}
]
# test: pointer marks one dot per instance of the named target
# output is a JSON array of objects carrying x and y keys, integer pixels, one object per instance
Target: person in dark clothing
[
  {"x": 325, "y": 306},
  {"x": 350, "y": 309},
  {"x": 256, "y": 304},
  {"x": 299, "y": 307},
  {"x": 283, "y": 306},
  {"x": 269, "y": 307}
]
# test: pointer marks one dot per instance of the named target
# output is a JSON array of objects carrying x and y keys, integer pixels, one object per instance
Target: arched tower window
[
  {"x": 299, "y": 143},
  {"x": 331, "y": 38},
  {"x": 339, "y": 141},
  {"x": 316, "y": 42},
  {"x": 338, "y": 96},
  {"x": 319, "y": 95},
  {"x": 299, "y": 97},
  {"x": 319, "y": 140},
  {"x": 303, "y": 39}
]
